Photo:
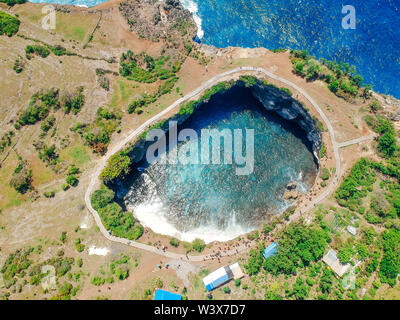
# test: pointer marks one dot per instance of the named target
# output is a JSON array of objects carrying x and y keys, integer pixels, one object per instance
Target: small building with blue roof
[
  {"x": 166, "y": 295},
  {"x": 271, "y": 250}
]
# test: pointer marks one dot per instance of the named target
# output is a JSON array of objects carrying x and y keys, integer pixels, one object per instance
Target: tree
[
  {"x": 300, "y": 290},
  {"x": 390, "y": 264},
  {"x": 122, "y": 272},
  {"x": 255, "y": 261},
  {"x": 387, "y": 144},
  {"x": 9, "y": 24},
  {"x": 198, "y": 245},
  {"x": 174, "y": 242},
  {"x": 22, "y": 180},
  {"x": 117, "y": 167},
  {"x": 100, "y": 198},
  {"x": 299, "y": 246},
  {"x": 63, "y": 236},
  {"x": 71, "y": 180}
]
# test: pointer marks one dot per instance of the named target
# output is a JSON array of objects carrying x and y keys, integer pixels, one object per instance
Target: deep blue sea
[{"x": 315, "y": 25}]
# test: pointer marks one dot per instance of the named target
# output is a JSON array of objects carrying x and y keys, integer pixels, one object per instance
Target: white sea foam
[
  {"x": 192, "y": 7},
  {"x": 98, "y": 251},
  {"x": 152, "y": 215}
]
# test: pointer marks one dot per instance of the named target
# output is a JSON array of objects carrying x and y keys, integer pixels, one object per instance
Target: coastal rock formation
[
  {"x": 291, "y": 186},
  {"x": 278, "y": 101},
  {"x": 291, "y": 195},
  {"x": 155, "y": 20}
]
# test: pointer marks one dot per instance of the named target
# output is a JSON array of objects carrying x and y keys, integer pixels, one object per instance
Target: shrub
[
  {"x": 37, "y": 50},
  {"x": 79, "y": 245},
  {"x": 13, "y": 2},
  {"x": 174, "y": 242},
  {"x": 375, "y": 106},
  {"x": 118, "y": 166},
  {"x": 122, "y": 272},
  {"x": 198, "y": 245},
  {"x": 9, "y": 25},
  {"x": 73, "y": 102},
  {"x": 71, "y": 180},
  {"x": 390, "y": 264},
  {"x": 322, "y": 151},
  {"x": 102, "y": 197},
  {"x": 63, "y": 236},
  {"x": 21, "y": 181},
  {"x": 97, "y": 281},
  {"x": 135, "y": 105},
  {"x": 325, "y": 174},
  {"x": 49, "y": 194},
  {"x": 253, "y": 235},
  {"x": 286, "y": 90},
  {"x": 18, "y": 65},
  {"x": 299, "y": 246},
  {"x": 73, "y": 170}
]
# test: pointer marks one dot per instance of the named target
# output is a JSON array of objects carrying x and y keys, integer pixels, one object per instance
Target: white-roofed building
[{"x": 334, "y": 263}]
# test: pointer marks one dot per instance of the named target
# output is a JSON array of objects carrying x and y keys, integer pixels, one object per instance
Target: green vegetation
[
  {"x": 49, "y": 194},
  {"x": 47, "y": 124},
  {"x": 375, "y": 106},
  {"x": 12, "y": 2},
  {"x": 22, "y": 177},
  {"x": 286, "y": 90},
  {"x": 248, "y": 81},
  {"x": 355, "y": 186},
  {"x": 20, "y": 269},
  {"x": 36, "y": 49},
  {"x": 387, "y": 144},
  {"x": 39, "y": 107},
  {"x": 72, "y": 179},
  {"x": 98, "y": 134},
  {"x": 9, "y": 25},
  {"x": 15, "y": 266},
  {"x": 63, "y": 236},
  {"x": 97, "y": 281},
  {"x": 48, "y": 154},
  {"x": 146, "y": 69},
  {"x": 325, "y": 174},
  {"x": 18, "y": 66},
  {"x": 120, "y": 267},
  {"x": 121, "y": 224},
  {"x": 6, "y": 140},
  {"x": 390, "y": 264},
  {"x": 79, "y": 245},
  {"x": 322, "y": 151},
  {"x": 174, "y": 242},
  {"x": 198, "y": 245},
  {"x": 341, "y": 78},
  {"x": 299, "y": 245},
  {"x": 73, "y": 102},
  {"x": 118, "y": 166}
]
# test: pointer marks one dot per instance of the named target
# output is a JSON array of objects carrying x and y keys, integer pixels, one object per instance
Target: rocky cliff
[
  {"x": 273, "y": 99},
  {"x": 155, "y": 20},
  {"x": 278, "y": 101}
]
